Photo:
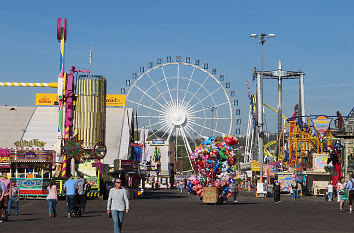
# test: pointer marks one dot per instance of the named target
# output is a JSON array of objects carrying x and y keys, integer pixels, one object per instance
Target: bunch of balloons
[{"x": 214, "y": 165}]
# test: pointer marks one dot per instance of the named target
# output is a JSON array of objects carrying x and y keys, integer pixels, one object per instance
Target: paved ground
[{"x": 174, "y": 212}]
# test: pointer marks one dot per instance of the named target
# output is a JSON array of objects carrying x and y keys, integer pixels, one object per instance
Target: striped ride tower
[{"x": 63, "y": 167}]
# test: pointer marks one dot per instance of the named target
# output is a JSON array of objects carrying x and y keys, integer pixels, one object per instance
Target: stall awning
[
  {"x": 30, "y": 161},
  {"x": 31, "y": 155},
  {"x": 4, "y": 165}
]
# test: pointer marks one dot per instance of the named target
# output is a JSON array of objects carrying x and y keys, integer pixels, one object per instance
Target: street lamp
[
  {"x": 259, "y": 99},
  {"x": 212, "y": 109},
  {"x": 262, "y": 40}
]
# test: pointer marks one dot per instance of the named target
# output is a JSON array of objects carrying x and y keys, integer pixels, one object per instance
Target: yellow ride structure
[{"x": 297, "y": 140}]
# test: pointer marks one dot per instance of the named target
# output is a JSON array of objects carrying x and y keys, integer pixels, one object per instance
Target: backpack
[{"x": 87, "y": 187}]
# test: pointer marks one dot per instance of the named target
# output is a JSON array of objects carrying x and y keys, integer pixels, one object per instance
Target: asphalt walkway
[{"x": 170, "y": 211}]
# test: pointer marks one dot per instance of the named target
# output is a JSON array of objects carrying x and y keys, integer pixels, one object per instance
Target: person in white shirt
[
  {"x": 117, "y": 204},
  {"x": 330, "y": 191}
]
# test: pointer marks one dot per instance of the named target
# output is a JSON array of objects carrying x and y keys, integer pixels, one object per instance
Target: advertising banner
[
  {"x": 115, "y": 100},
  {"x": 255, "y": 165},
  {"x": 32, "y": 186},
  {"x": 30, "y": 155},
  {"x": 319, "y": 162},
  {"x": 52, "y": 99},
  {"x": 321, "y": 124},
  {"x": 158, "y": 142},
  {"x": 46, "y": 99},
  {"x": 285, "y": 180}
]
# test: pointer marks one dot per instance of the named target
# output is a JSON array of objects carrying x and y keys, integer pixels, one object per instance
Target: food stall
[{"x": 32, "y": 171}]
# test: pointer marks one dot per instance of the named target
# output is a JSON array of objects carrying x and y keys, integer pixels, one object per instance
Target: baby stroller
[{"x": 76, "y": 208}]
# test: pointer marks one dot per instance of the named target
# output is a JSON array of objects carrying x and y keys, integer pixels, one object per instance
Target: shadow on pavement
[
  {"x": 241, "y": 203},
  {"x": 94, "y": 211},
  {"x": 162, "y": 195},
  {"x": 24, "y": 220}
]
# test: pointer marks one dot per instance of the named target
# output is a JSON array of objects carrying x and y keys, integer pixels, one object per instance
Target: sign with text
[
  {"x": 30, "y": 143},
  {"x": 31, "y": 155},
  {"x": 321, "y": 124},
  {"x": 46, "y": 99},
  {"x": 158, "y": 142},
  {"x": 115, "y": 100},
  {"x": 52, "y": 99}
]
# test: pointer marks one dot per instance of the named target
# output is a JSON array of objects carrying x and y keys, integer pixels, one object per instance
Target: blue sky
[{"x": 312, "y": 36}]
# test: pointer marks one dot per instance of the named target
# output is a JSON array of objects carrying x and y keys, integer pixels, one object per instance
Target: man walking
[
  {"x": 82, "y": 192},
  {"x": 14, "y": 198},
  {"x": 70, "y": 189},
  {"x": 5, "y": 199},
  {"x": 276, "y": 192},
  {"x": 350, "y": 187}
]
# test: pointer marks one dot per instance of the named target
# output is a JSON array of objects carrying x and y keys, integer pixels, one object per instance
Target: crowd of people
[
  {"x": 118, "y": 203},
  {"x": 10, "y": 196},
  {"x": 345, "y": 193},
  {"x": 75, "y": 191}
]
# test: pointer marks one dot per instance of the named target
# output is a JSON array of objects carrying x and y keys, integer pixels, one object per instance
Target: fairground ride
[
  {"x": 86, "y": 105},
  {"x": 183, "y": 99}
]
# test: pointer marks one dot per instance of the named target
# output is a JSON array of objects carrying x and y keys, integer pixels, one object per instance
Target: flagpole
[{"x": 90, "y": 61}]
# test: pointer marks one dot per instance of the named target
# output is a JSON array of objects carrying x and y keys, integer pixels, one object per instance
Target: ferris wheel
[{"x": 182, "y": 99}]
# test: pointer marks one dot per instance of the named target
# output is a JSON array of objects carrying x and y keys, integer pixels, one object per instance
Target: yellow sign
[
  {"x": 52, "y": 99},
  {"x": 115, "y": 100},
  {"x": 46, "y": 99},
  {"x": 255, "y": 165}
]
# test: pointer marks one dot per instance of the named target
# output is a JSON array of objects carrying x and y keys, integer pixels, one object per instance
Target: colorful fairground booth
[{"x": 31, "y": 168}]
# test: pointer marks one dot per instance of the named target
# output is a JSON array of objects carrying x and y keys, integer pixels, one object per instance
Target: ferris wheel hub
[{"x": 177, "y": 116}]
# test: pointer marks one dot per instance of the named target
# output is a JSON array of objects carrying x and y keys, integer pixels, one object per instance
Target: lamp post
[
  {"x": 212, "y": 109},
  {"x": 259, "y": 100}
]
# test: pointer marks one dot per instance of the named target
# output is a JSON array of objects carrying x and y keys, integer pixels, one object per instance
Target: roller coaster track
[
  {"x": 268, "y": 144},
  {"x": 271, "y": 108}
]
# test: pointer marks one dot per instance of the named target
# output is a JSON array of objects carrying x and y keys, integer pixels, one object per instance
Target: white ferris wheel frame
[{"x": 161, "y": 93}]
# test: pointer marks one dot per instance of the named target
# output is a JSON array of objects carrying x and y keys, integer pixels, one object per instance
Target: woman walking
[
  {"x": 52, "y": 199},
  {"x": 117, "y": 204},
  {"x": 343, "y": 193}
]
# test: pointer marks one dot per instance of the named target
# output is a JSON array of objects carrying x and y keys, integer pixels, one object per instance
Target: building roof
[
  {"x": 13, "y": 123},
  {"x": 41, "y": 123}
]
